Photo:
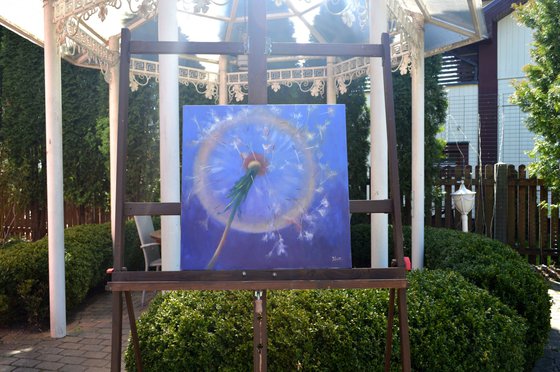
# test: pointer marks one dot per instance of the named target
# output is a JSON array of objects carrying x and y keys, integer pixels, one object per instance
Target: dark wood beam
[
  {"x": 177, "y": 47},
  {"x": 333, "y": 49}
]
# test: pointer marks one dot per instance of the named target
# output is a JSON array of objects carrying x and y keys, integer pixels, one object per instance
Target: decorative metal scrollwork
[
  {"x": 70, "y": 14},
  {"x": 144, "y": 8},
  {"x": 201, "y": 6},
  {"x": 405, "y": 42}
]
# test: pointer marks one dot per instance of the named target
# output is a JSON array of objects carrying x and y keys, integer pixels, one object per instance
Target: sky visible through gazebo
[{"x": 28, "y": 15}]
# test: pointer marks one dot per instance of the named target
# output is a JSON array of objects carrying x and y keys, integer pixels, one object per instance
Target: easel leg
[
  {"x": 133, "y": 331},
  {"x": 116, "y": 336},
  {"x": 260, "y": 337},
  {"x": 389, "y": 341},
  {"x": 403, "y": 325}
]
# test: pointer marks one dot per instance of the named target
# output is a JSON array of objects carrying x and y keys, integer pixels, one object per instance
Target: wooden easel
[{"x": 123, "y": 282}]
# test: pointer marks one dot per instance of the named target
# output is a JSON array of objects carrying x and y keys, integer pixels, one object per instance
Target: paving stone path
[
  {"x": 551, "y": 360},
  {"x": 87, "y": 346}
]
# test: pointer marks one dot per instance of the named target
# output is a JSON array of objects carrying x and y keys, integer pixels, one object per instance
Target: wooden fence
[
  {"x": 19, "y": 224},
  {"x": 507, "y": 208}
]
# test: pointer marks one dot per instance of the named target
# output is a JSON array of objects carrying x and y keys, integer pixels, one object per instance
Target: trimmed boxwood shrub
[
  {"x": 489, "y": 264},
  {"x": 454, "y": 326},
  {"x": 496, "y": 267},
  {"x": 24, "y": 279}
]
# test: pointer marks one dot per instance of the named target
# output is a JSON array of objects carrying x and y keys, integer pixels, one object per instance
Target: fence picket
[
  {"x": 532, "y": 214},
  {"x": 479, "y": 201},
  {"x": 469, "y": 185},
  {"x": 522, "y": 214},
  {"x": 554, "y": 221},
  {"x": 512, "y": 205},
  {"x": 448, "y": 209},
  {"x": 488, "y": 199},
  {"x": 543, "y": 221}
]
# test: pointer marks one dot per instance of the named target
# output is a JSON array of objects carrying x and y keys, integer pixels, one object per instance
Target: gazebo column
[
  {"x": 169, "y": 135},
  {"x": 55, "y": 192},
  {"x": 331, "y": 84},
  {"x": 417, "y": 76},
  {"x": 378, "y": 138},
  {"x": 113, "y": 127},
  {"x": 222, "y": 88}
]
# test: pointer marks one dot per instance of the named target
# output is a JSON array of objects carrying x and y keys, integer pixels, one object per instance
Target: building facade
[{"x": 483, "y": 126}]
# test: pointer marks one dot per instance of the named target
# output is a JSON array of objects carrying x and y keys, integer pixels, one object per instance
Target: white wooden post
[
  {"x": 331, "y": 84},
  {"x": 417, "y": 75},
  {"x": 169, "y": 135},
  {"x": 55, "y": 192},
  {"x": 222, "y": 88},
  {"x": 113, "y": 128},
  {"x": 378, "y": 135}
]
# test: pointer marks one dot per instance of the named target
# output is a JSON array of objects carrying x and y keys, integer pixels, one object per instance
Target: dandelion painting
[{"x": 264, "y": 187}]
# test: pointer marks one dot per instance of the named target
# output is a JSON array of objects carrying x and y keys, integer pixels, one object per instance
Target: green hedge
[
  {"x": 454, "y": 326},
  {"x": 486, "y": 263},
  {"x": 497, "y": 268},
  {"x": 24, "y": 292}
]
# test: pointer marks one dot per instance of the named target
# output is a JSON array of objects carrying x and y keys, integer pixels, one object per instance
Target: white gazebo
[{"x": 86, "y": 33}]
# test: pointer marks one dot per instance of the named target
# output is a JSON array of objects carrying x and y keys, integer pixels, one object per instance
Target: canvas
[{"x": 264, "y": 187}]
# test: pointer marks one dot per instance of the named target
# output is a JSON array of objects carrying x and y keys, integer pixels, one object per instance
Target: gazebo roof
[{"x": 85, "y": 26}]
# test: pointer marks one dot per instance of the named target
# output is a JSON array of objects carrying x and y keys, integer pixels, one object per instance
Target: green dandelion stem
[{"x": 237, "y": 194}]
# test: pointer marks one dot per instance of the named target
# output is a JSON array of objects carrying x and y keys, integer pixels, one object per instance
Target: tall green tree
[
  {"x": 539, "y": 94},
  {"x": 22, "y": 130},
  {"x": 86, "y": 179}
]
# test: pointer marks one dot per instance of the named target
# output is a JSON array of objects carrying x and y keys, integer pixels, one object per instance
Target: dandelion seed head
[{"x": 259, "y": 139}]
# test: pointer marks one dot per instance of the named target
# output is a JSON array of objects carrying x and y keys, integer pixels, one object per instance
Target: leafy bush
[
  {"x": 490, "y": 265},
  {"x": 454, "y": 326},
  {"x": 497, "y": 268},
  {"x": 10, "y": 243},
  {"x": 24, "y": 279}
]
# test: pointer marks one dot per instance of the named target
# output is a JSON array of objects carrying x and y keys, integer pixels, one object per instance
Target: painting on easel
[{"x": 264, "y": 187}]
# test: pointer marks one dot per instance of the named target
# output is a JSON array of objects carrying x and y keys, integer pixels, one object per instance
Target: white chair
[{"x": 150, "y": 248}]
